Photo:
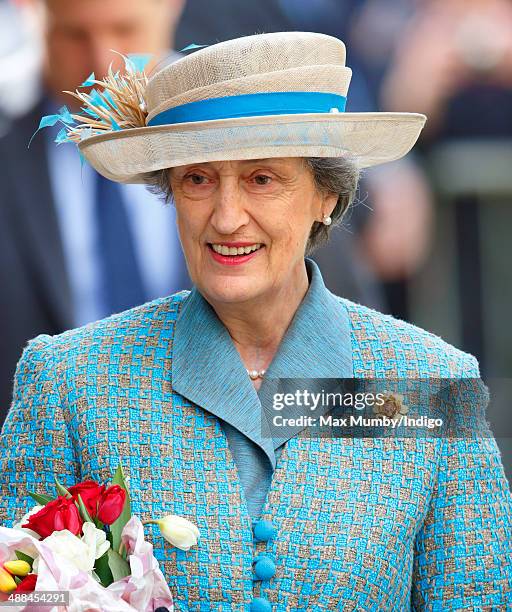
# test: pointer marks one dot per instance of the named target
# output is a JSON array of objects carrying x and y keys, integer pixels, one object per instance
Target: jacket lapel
[
  {"x": 34, "y": 217},
  {"x": 208, "y": 371},
  {"x": 315, "y": 353}
]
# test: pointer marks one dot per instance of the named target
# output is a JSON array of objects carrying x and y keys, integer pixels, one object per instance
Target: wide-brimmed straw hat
[{"x": 268, "y": 95}]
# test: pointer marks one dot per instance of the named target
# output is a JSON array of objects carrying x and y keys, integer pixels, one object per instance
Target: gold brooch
[{"x": 392, "y": 407}]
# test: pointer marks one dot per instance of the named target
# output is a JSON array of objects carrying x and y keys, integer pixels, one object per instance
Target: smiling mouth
[{"x": 234, "y": 251}]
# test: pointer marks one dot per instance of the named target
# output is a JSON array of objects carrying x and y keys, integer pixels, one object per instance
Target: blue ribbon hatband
[{"x": 252, "y": 105}]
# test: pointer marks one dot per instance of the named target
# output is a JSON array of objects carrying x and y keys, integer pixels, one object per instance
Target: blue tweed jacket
[{"x": 362, "y": 524}]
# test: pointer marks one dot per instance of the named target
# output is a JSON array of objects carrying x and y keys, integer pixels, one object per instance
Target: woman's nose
[{"x": 229, "y": 212}]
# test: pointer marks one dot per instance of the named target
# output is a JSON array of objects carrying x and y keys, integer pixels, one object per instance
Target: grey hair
[{"x": 332, "y": 175}]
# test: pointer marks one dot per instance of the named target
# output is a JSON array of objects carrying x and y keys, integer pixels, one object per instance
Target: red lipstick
[{"x": 233, "y": 260}]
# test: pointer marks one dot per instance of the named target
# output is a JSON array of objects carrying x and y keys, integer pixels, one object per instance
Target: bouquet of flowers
[{"x": 85, "y": 544}]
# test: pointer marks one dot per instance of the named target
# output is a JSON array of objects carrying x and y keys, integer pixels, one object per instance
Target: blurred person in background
[
  {"x": 454, "y": 62},
  {"x": 75, "y": 247},
  {"x": 200, "y": 24},
  {"x": 373, "y": 30}
]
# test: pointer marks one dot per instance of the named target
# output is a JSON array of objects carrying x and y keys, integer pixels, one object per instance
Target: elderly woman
[{"x": 250, "y": 139}]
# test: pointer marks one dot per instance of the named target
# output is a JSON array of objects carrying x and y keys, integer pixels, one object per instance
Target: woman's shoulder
[
  {"x": 147, "y": 321},
  {"x": 383, "y": 341}
]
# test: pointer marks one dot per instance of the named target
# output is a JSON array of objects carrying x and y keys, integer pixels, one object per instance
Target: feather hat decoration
[{"x": 119, "y": 104}]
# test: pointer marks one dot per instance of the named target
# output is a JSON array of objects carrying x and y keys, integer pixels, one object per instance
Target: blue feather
[
  {"x": 89, "y": 81},
  {"x": 65, "y": 116},
  {"x": 62, "y": 136},
  {"x": 191, "y": 47},
  {"x": 136, "y": 62},
  {"x": 90, "y": 112},
  {"x": 97, "y": 99},
  {"x": 46, "y": 121},
  {"x": 108, "y": 96}
]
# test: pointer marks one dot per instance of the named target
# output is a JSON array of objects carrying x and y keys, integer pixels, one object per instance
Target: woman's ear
[{"x": 329, "y": 201}]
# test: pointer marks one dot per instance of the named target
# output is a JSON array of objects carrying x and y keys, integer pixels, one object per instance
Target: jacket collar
[{"x": 208, "y": 371}]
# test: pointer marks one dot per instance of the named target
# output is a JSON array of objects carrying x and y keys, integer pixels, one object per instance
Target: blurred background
[{"x": 427, "y": 241}]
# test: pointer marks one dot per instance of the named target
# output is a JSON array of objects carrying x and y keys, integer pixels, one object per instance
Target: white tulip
[
  {"x": 71, "y": 548},
  {"x": 80, "y": 552},
  {"x": 95, "y": 539},
  {"x": 178, "y": 531}
]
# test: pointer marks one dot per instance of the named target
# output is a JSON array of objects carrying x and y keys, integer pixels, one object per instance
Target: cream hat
[{"x": 268, "y": 95}]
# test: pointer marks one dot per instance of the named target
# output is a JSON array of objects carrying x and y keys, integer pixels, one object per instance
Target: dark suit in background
[
  {"x": 36, "y": 294},
  {"x": 35, "y": 297}
]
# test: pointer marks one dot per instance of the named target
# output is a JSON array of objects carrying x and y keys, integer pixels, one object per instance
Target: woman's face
[{"x": 244, "y": 225}]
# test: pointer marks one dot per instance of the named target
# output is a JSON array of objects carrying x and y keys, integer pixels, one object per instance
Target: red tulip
[
  {"x": 27, "y": 585},
  {"x": 90, "y": 492},
  {"x": 59, "y": 514},
  {"x": 111, "y": 504}
]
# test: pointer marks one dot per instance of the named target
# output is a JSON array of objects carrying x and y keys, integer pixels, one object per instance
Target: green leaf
[
  {"x": 102, "y": 570},
  {"x": 61, "y": 489},
  {"x": 40, "y": 499},
  {"x": 118, "y": 525},
  {"x": 119, "y": 478},
  {"x": 118, "y": 566},
  {"x": 83, "y": 510},
  {"x": 23, "y": 557},
  {"x": 98, "y": 523}
]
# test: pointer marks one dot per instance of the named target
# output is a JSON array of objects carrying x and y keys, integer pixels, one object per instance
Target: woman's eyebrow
[
  {"x": 269, "y": 160},
  {"x": 255, "y": 161}
]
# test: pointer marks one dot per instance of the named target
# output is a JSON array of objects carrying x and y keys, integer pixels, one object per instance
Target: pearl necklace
[{"x": 255, "y": 374}]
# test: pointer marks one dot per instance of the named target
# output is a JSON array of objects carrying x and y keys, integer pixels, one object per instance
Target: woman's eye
[
  {"x": 262, "y": 179},
  {"x": 196, "y": 179}
]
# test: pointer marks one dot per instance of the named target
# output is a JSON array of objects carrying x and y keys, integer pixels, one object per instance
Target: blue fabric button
[
  {"x": 260, "y": 604},
  {"x": 264, "y": 568},
  {"x": 264, "y": 530}
]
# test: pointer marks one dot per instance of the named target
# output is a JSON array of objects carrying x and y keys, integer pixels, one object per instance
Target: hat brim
[{"x": 125, "y": 156}]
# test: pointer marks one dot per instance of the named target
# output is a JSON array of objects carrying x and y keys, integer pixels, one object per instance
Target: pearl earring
[{"x": 327, "y": 220}]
